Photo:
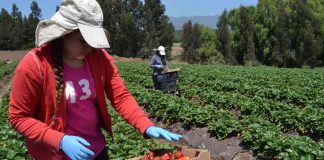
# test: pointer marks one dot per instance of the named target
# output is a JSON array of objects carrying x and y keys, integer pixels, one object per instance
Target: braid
[{"x": 58, "y": 69}]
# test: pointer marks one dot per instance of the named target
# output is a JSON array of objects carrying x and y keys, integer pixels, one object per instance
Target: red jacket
[{"x": 32, "y": 101}]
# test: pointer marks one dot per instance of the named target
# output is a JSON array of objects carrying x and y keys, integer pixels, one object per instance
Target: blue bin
[{"x": 168, "y": 81}]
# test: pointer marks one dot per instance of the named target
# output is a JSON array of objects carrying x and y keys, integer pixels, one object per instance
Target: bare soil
[
  {"x": 199, "y": 138},
  {"x": 18, "y": 55},
  {"x": 176, "y": 50},
  {"x": 12, "y": 55}
]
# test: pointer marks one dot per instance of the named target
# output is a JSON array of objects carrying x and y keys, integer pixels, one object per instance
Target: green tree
[
  {"x": 302, "y": 33},
  {"x": 167, "y": 38},
  {"x": 129, "y": 32},
  {"x": 111, "y": 12},
  {"x": 36, "y": 12},
  {"x": 135, "y": 29},
  {"x": 177, "y": 36},
  {"x": 246, "y": 43},
  {"x": 207, "y": 51},
  {"x": 282, "y": 55},
  {"x": 190, "y": 42},
  {"x": 5, "y": 30},
  {"x": 317, "y": 9},
  {"x": 30, "y": 25},
  {"x": 223, "y": 39},
  {"x": 264, "y": 24},
  {"x": 135, "y": 8},
  {"x": 234, "y": 21},
  {"x": 16, "y": 25},
  {"x": 156, "y": 27}
]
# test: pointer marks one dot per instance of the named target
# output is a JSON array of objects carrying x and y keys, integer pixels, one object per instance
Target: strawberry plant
[
  {"x": 270, "y": 112},
  {"x": 278, "y": 113}
]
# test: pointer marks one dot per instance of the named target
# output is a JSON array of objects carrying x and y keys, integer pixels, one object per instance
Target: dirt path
[
  {"x": 200, "y": 138},
  {"x": 12, "y": 55},
  {"x": 226, "y": 149}
]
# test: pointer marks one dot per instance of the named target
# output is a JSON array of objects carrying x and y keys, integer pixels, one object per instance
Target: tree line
[
  {"x": 135, "y": 27},
  {"x": 17, "y": 32},
  {"x": 279, "y": 33}
]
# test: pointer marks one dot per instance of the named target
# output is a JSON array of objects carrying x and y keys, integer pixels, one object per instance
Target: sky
[{"x": 175, "y": 8}]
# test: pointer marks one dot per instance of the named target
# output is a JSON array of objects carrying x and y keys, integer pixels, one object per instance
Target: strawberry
[
  {"x": 151, "y": 155},
  {"x": 165, "y": 157},
  {"x": 179, "y": 154},
  {"x": 145, "y": 157},
  {"x": 170, "y": 154}
]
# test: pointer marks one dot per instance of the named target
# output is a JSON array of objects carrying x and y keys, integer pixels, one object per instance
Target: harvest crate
[
  {"x": 194, "y": 154},
  {"x": 168, "y": 80}
]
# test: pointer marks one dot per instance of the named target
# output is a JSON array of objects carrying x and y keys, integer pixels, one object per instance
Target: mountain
[{"x": 209, "y": 21}]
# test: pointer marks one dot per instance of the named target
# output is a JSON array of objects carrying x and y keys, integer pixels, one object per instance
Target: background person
[
  {"x": 158, "y": 63},
  {"x": 58, "y": 102}
]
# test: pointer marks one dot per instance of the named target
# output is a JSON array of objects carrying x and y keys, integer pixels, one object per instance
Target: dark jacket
[{"x": 157, "y": 60}]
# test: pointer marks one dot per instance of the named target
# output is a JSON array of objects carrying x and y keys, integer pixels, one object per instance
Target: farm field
[{"x": 276, "y": 113}]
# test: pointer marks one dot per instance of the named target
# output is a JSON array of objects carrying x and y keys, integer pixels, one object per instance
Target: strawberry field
[{"x": 278, "y": 113}]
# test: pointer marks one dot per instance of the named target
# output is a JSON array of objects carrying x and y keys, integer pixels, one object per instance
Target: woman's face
[{"x": 75, "y": 47}]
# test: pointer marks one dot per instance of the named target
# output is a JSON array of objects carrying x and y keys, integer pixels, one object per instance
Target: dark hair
[
  {"x": 58, "y": 70},
  {"x": 163, "y": 60}
]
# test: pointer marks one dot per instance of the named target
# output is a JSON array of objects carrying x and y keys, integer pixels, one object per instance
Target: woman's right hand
[
  {"x": 156, "y": 132},
  {"x": 74, "y": 147}
]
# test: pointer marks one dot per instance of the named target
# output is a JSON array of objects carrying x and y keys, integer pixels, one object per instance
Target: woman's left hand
[{"x": 156, "y": 132}]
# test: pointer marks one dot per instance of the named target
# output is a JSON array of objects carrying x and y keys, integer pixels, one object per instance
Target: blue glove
[
  {"x": 156, "y": 132},
  {"x": 74, "y": 147},
  {"x": 158, "y": 66}
]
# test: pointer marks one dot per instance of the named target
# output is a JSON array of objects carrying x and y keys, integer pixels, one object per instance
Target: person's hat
[
  {"x": 85, "y": 15},
  {"x": 161, "y": 49}
]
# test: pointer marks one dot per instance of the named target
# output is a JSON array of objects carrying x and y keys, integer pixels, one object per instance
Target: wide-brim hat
[{"x": 85, "y": 15}]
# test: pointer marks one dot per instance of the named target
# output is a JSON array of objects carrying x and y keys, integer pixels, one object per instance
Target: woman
[
  {"x": 158, "y": 63},
  {"x": 58, "y": 101}
]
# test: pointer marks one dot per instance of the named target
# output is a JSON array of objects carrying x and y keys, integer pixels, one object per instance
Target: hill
[{"x": 209, "y": 21}]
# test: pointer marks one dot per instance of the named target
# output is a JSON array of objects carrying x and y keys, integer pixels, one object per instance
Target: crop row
[
  {"x": 223, "y": 123},
  {"x": 306, "y": 120},
  {"x": 228, "y": 112},
  {"x": 292, "y": 86},
  {"x": 6, "y": 69}
]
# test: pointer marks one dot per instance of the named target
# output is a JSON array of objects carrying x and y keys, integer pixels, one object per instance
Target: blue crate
[
  {"x": 167, "y": 82},
  {"x": 169, "y": 86},
  {"x": 171, "y": 76}
]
